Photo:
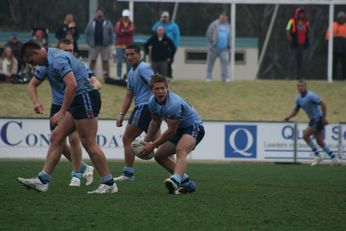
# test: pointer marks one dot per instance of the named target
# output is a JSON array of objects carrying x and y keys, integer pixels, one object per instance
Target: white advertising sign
[{"x": 241, "y": 141}]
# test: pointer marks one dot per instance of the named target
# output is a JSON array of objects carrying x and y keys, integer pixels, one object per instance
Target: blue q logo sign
[{"x": 240, "y": 141}]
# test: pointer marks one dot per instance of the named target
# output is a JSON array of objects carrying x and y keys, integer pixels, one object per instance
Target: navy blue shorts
[
  {"x": 86, "y": 105},
  {"x": 53, "y": 110},
  {"x": 317, "y": 124},
  {"x": 196, "y": 131},
  {"x": 140, "y": 117}
]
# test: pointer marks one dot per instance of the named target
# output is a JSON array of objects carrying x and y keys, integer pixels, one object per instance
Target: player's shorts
[
  {"x": 140, "y": 117},
  {"x": 104, "y": 51},
  {"x": 86, "y": 105},
  {"x": 196, "y": 131},
  {"x": 317, "y": 123}
]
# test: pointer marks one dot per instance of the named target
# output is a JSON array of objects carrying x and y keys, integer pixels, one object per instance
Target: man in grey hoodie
[
  {"x": 99, "y": 36},
  {"x": 219, "y": 45}
]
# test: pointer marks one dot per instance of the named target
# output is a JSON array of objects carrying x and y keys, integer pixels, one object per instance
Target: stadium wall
[{"x": 236, "y": 141}]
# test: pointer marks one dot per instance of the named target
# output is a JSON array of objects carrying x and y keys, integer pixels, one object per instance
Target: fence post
[
  {"x": 295, "y": 143},
  {"x": 340, "y": 141}
]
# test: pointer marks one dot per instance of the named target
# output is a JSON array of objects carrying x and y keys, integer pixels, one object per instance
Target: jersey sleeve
[
  {"x": 62, "y": 66},
  {"x": 41, "y": 73},
  {"x": 314, "y": 98},
  {"x": 297, "y": 103},
  {"x": 174, "y": 112},
  {"x": 146, "y": 73}
]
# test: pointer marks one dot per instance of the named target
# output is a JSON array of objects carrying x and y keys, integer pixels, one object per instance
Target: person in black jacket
[
  {"x": 69, "y": 30},
  {"x": 161, "y": 50}
]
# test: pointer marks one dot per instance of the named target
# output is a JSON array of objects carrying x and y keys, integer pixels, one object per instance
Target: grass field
[
  {"x": 230, "y": 196},
  {"x": 258, "y": 100}
]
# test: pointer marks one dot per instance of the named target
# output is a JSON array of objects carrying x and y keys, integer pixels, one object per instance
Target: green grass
[
  {"x": 230, "y": 196},
  {"x": 260, "y": 100}
]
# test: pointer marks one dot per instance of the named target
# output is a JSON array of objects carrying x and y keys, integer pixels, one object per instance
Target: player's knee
[
  {"x": 73, "y": 140},
  {"x": 56, "y": 138}
]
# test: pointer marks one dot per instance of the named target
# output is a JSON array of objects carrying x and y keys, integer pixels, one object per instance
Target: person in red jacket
[
  {"x": 339, "y": 43},
  {"x": 124, "y": 30},
  {"x": 297, "y": 32}
]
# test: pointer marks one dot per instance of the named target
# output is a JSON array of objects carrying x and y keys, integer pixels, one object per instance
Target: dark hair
[
  {"x": 64, "y": 41},
  {"x": 27, "y": 49},
  {"x": 134, "y": 47},
  {"x": 157, "y": 78},
  {"x": 301, "y": 81}
]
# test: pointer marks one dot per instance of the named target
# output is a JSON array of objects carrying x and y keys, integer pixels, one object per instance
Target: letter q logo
[{"x": 240, "y": 141}]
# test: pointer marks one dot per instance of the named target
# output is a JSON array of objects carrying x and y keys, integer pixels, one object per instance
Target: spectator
[
  {"x": 219, "y": 44},
  {"x": 69, "y": 30},
  {"x": 15, "y": 45},
  {"x": 40, "y": 36},
  {"x": 297, "y": 31},
  {"x": 8, "y": 65},
  {"x": 339, "y": 44},
  {"x": 124, "y": 30},
  {"x": 172, "y": 31},
  {"x": 99, "y": 36},
  {"x": 161, "y": 49}
]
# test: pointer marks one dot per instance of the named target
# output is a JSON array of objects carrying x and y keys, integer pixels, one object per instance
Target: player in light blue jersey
[
  {"x": 80, "y": 169},
  {"x": 316, "y": 110},
  {"x": 79, "y": 110},
  {"x": 138, "y": 91},
  {"x": 185, "y": 131}
]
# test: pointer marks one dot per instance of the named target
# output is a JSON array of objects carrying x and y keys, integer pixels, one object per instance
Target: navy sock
[
  {"x": 108, "y": 180},
  {"x": 44, "y": 177}
]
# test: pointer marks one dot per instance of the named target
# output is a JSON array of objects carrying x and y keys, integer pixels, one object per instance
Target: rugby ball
[{"x": 137, "y": 147}]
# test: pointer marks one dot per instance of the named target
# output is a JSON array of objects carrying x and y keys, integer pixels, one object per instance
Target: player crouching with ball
[{"x": 185, "y": 131}]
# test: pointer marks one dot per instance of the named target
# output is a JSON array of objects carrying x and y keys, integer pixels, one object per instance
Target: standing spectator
[
  {"x": 297, "y": 31},
  {"x": 69, "y": 30},
  {"x": 124, "y": 30},
  {"x": 8, "y": 65},
  {"x": 99, "y": 36},
  {"x": 161, "y": 49},
  {"x": 15, "y": 45},
  {"x": 219, "y": 44},
  {"x": 339, "y": 44},
  {"x": 172, "y": 31}
]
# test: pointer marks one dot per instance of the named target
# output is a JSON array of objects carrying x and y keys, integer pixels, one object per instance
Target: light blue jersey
[
  {"x": 223, "y": 33},
  {"x": 175, "y": 108},
  {"x": 310, "y": 103},
  {"x": 138, "y": 82},
  {"x": 59, "y": 64}
]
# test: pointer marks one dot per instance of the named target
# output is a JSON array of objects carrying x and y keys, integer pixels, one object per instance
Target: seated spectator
[
  {"x": 161, "y": 50},
  {"x": 40, "y": 36},
  {"x": 15, "y": 45},
  {"x": 8, "y": 65}
]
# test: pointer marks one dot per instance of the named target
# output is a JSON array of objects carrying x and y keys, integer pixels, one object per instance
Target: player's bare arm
[
  {"x": 125, "y": 107},
  {"x": 292, "y": 114},
  {"x": 95, "y": 82},
  {"x": 32, "y": 87},
  {"x": 70, "y": 92}
]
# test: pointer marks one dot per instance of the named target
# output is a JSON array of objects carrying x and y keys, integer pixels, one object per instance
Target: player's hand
[
  {"x": 120, "y": 121},
  {"x": 38, "y": 108},
  {"x": 56, "y": 118},
  {"x": 287, "y": 118},
  {"x": 325, "y": 121},
  {"x": 148, "y": 147}
]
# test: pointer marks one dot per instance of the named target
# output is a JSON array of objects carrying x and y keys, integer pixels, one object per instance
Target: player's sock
[
  {"x": 328, "y": 151},
  {"x": 314, "y": 148},
  {"x": 185, "y": 179},
  {"x": 83, "y": 167},
  {"x": 108, "y": 180},
  {"x": 128, "y": 171},
  {"x": 44, "y": 177},
  {"x": 76, "y": 174},
  {"x": 177, "y": 178}
]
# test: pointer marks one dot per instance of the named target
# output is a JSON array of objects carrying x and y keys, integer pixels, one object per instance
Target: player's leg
[
  {"x": 308, "y": 132},
  {"x": 87, "y": 129},
  {"x": 79, "y": 167},
  {"x": 131, "y": 133},
  {"x": 320, "y": 141},
  {"x": 211, "y": 57},
  {"x": 93, "y": 53},
  {"x": 224, "y": 63},
  {"x": 58, "y": 136}
]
